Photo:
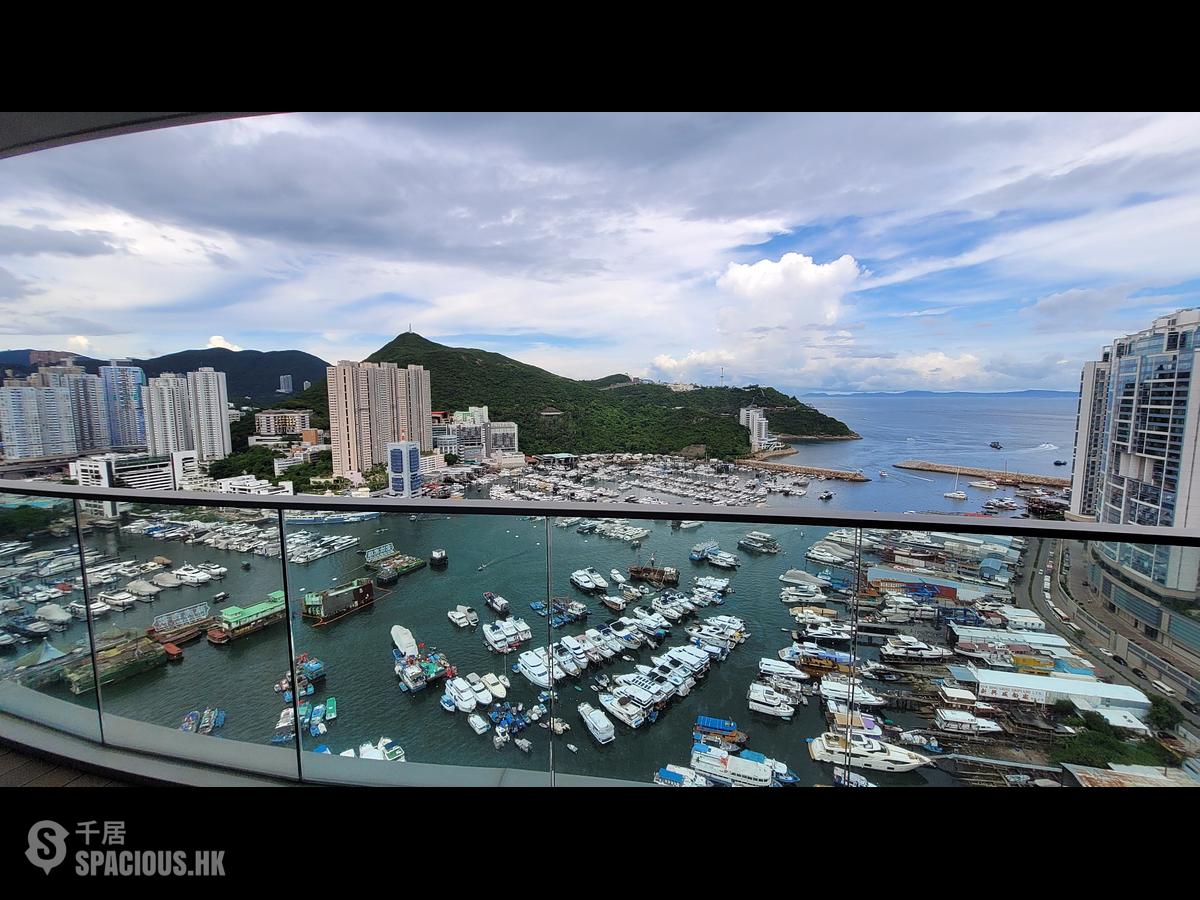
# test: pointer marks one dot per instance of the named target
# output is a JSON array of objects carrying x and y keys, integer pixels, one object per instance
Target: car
[
  {"x": 1107, "y": 653},
  {"x": 1120, "y": 661},
  {"x": 1138, "y": 672},
  {"x": 1190, "y": 707}
]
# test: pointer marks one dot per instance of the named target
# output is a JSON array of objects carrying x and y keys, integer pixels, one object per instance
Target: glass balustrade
[{"x": 445, "y": 646}]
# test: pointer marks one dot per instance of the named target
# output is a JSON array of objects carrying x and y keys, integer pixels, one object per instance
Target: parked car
[
  {"x": 1138, "y": 672},
  {"x": 1120, "y": 660},
  {"x": 1190, "y": 707}
]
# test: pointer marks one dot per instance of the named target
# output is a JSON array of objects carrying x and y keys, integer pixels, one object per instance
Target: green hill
[{"x": 561, "y": 414}]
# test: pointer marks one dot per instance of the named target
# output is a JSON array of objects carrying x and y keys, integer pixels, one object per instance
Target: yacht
[
  {"x": 962, "y": 722},
  {"x": 905, "y": 648},
  {"x": 776, "y": 668},
  {"x": 582, "y": 580},
  {"x": 479, "y": 724},
  {"x": 864, "y": 753},
  {"x": 533, "y": 667},
  {"x": 497, "y": 604},
  {"x": 848, "y": 690},
  {"x": 764, "y": 700},
  {"x": 578, "y": 653},
  {"x": 598, "y": 724},
  {"x": 597, "y": 579},
  {"x": 494, "y": 686},
  {"x": 469, "y": 612},
  {"x": 624, "y": 708},
  {"x": 616, "y": 576},
  {"x": 955, "y": 494},
  {"x": 565, "y": 659},
  {"x": 598, "y": 641},
  {"x": 496, "y": 637},
  {"x": 687, "y": 524},
  {"x": 458, "y": 618},
  {"x": 460, "y": 692},
  {"x": 984, "y": 485},
  {"x": 829, "y": 632},
  {"x": 800, "y": 578},
  {"x": 192, "y": 575},
  {"x": 724, "y": 768},
  {"x": 80, "y": 611},
  {"x": 482, "y": 695},
  {"x": 844, "y": 717},
  {"x": 625, "y": 631}
]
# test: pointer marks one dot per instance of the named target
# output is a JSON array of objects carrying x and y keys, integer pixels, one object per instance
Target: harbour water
[
  {"x": 1034, "y": 433},
  {"x": 357, "y": 650}
]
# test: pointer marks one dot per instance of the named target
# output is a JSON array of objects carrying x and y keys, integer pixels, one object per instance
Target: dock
[
  {"x": 813, "y": 471},
  {"x": 997, "y": 475}
]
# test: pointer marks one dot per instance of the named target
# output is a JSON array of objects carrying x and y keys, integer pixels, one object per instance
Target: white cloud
[
  {"x": 217, "y": 341},
  {"x": 80, "y": 343},
  {"x": 807, "y": 290}
]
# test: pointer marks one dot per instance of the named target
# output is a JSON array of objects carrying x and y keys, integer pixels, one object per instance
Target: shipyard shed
[
  {"x": 992, "y": 684},
  {"x": 1128, "y": 776}
]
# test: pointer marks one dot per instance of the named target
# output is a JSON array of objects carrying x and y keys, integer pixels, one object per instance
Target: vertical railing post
[
  {"x": 287, "y": 609},
  {"x": 549, "y": 653},
  {"x": 87, "y": 608}
]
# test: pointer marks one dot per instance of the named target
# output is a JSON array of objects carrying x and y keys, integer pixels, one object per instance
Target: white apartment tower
[
  {"x": 36, "y": 422},
  {"x": 209, "y": 399},
  {"x": 756, "y": 421},
  {"x": 168, "y": 414},
  {"x": 122, "y": 384}
]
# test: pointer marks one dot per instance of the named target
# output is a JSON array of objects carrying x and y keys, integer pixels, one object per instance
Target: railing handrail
[{"x": 1089, "y": 531}]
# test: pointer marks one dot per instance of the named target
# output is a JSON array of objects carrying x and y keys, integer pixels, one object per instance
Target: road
[{"x": 1028, "y": 594}]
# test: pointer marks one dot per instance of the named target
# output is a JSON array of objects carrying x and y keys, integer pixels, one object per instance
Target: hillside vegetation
[{"x": 561, "y": 414}]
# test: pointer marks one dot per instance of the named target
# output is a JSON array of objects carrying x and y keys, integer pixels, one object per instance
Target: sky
[{"x": 818, "y": 252}]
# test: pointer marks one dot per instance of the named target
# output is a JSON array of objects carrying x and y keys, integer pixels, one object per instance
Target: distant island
[{"x": 1030, "y": 394}]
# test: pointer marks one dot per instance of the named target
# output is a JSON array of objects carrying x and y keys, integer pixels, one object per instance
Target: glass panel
[
  {"x": 373, "y": 599},
  {"x": 43, "y": 648},
  {"x": 190, "y": 631}
]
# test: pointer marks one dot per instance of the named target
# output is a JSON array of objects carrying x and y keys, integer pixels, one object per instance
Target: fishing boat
[
  {"x": 190, "y": 721},
  {"x": 331, "y": 709}
]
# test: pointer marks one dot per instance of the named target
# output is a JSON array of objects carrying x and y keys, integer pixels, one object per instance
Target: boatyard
[{"x": 655, "y": 630}]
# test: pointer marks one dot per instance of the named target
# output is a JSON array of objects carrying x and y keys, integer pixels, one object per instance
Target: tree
[
  {"x": 377, "y": 477},
  {"x": 1163, "y": 715},
  {"x": 1064, "y": 708},
  {"x": 451, "y": 459}
]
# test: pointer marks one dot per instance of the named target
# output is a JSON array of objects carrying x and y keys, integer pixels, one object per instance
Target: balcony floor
[{"x": 19, "y": 768}]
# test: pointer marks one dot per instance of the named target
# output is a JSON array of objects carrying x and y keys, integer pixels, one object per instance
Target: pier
[
  {"x": 813, "y": 471},
  {"x": 997, "y": 475}
]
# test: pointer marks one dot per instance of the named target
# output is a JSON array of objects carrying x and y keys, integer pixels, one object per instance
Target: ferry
[{"x": 734, "y": 771}]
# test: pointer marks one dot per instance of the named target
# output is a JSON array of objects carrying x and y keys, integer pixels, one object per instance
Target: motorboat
[
  {"x": 534, "y": 668},
  {"x": 848, "y": 690},
  {"x": 495, "y": 636},
  {"x": 779, "y": 770},
  {"x": 598, "y": 580},
  {"x": 478, "y": 724},
  {"x": 575, "y": 648},
  {"x": 601, "y": 645},
  {"x": 498, "y": 605},
  {"x": 616, "y": 576},
  {"x": 483, "y": 696},
  {"x": 864, "y": 753},
  {"x": 905, "y": 648},
  {"x": 962, "y": 722},
  {"x": 723, "y": 767},
  {"x": 192, "y": 575},
  {"x": 680, "y": 776},
  {"x": 460, "y": 692},
  {"x": 623, "y": 707},
  {"x": 492, "y": 683},
  {"x": 582, "y": 580},
  {"x": 458, "y": 618},
  {"x": 598, "y": 724},
  {"x": 765, "y": 700},
  {"x": 777, "y": 668},
  {"x": 390, "y": 750},
  {"x": 860, "y": 722},
  {"x": 469, "y": 612},
  {"x": 565, "y": 659}
]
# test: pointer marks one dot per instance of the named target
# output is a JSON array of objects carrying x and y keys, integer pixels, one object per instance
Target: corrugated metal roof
[{"x": 1087, "y": 776}]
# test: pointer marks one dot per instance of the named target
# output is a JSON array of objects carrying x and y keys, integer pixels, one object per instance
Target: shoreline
[
  {"x": 997, "y": 475},
  {"x": 852, "y": 436}
]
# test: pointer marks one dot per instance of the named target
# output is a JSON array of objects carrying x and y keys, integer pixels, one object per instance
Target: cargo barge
[
  {"x": 336, "y": 603},
  {"x": 387, "y": 556},
  {"x": 236, "y": 622},
  {"x": 117, "y": 658}
]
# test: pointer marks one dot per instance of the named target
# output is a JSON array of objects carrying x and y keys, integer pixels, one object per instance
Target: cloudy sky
[{"x": 826, "y": 252}]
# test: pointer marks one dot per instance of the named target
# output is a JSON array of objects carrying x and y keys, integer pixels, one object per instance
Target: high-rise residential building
[
  {"x": 167, "y": 412},
  {"x": 285, "y": 384},
  {"x": 282, "y": 421},
  {"x": 756, "y": 421},
  {"x": 372, "y": 405},
  {"x": 502, "y": 436},
  {"x": 122, "y": 385},
  {"x": 420, "y": 408},
  {"x": 404, "y": 468},
  {"x": 89, "y": 411},
  {"x": 209, "y": 398},
  {"x": 37, "y": 422},
  {"x": 1137, "y": 462}
]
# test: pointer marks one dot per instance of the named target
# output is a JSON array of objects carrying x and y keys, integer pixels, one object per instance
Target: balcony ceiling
[{"x": 26, "y": 132}]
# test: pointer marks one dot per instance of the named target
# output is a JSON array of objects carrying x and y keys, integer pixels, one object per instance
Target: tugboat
[
  {"x": 437, "y": 559},
  {"x": 386, "y": 576}
]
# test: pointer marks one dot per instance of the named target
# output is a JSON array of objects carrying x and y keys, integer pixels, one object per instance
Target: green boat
[{"x": 331, "y": 709}]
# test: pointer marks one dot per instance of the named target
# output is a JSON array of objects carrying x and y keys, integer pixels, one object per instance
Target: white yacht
[
  {"x": 905, "y": 648},
  {"x": 460, "y": 692},
  {"x": 799, "y": 577},
  {"x": 724, "y": 768},
  {"x": 624, "y": 708},
  {"x": 963, "y": 722},
  {"x": 764, "y": 700},
  {"x": 458, "y": 618},
  {"x": 680, "y": 776},
  {"x": 565, "y": 659},
  {"x": 830, "y": 632},
  {"x": 597, "y": 723},
  {"x": 597, "y": 579},
  {"x": 985, "y": 485},
  {"x": 616, "y": 576},
  {"x": 192, "y": 575},
  {"x": 626, "y": 631},
  {"x": 864, "y": 753},
  {"x": 80, "y": 611},
  {"x": 533, "y": 667},
  {"x": 582, "y": 580},
  {"x": 578, "y": 654},
  {"x": 483, "y": 696},
  {"x": 838, "y": 687},
  {"x": 495, "y": 637},
  {"x": 777, "y": 668},
  {"x": 600, "y": 643},
  {"x": 844, "y": 717},
  {"x": 479, "y": 724},
  {"x": 590, "y": 650}
]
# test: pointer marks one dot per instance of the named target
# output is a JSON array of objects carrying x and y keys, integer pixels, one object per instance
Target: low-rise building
[{"x": 282, "y": 421}]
